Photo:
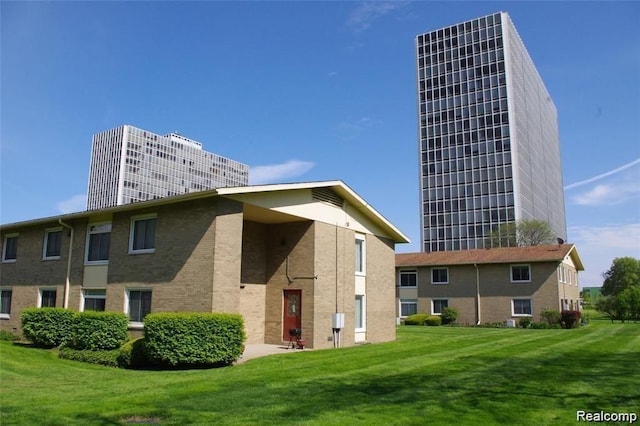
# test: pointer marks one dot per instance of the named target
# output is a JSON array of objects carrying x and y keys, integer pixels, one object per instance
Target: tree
[
  {"x": 534, "y": 232},
  {"x": 624, "y": 273},
  {"x": 526, "y": 232}
]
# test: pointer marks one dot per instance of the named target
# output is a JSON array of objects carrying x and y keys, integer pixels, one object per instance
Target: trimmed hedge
[
  {"x": 46, "y": 327},
  {"x": 106, "y": 358},
  {"x": 132, "y": 354},
  {"x": 416, "y": 319},
  {"x": 193, "y": 339},
  {"x": 449, "y": 315},
  {"x": 433, "y": 320},
  {"x": 98, "y": 331}
]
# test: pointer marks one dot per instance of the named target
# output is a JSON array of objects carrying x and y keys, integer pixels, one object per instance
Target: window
[
  {"x": 437, "y": 305},
  {"x": 360, "y": 313},
  {"x": 408, "y": 278},
  {"x": 47, "y": 298},
  {"x": 5, "y": 303},
  {"x": 520, "y": 273},
  {"x": 439, "y": 276},
  {"x": 10, "y": 248},
  {"x": 98, "y": 240},
  {"x": 521, "y": 307},
  {"x": 360, "y": 254},
  {"x": 143, "y": 234},
  {"x": 408, "y": 307},
  {"x": 93, "y": 300},
  {"x": 52, "y": 244},
  {"x": 139, "y": 304}
]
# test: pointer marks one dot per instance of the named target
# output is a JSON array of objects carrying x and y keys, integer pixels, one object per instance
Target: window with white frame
[
  {"x": 521, "y": 307},
  {"x": 5, "y": 302},
  {"x": 408, "y": 278},
  {"x": 360, "y": 254},
  {"x": 143, "y": 234},
  {"x": 439, "y": 275},
  {"x": 52, "y": 244},
  {"x": 138, "y": 304},
  {"x": 437, "y": 305},
  {"x": 408, "y": 307},
  {"x": 98, "y": 241},
  {"x": 47, "y": 298},
  {"x": 520, "y": 273},
  {"x": 360, "y": 313},
  {"x": 93, "y": 299},
  {"x": 10, "y": 248}
]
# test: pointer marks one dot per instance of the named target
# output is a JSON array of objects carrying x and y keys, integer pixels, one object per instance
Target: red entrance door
[{"x": 291, "y": 317}]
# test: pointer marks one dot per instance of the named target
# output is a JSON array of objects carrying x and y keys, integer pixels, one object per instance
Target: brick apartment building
[
  {"x": 489, "y": 285},
  {"x": 284, "y": 256}
]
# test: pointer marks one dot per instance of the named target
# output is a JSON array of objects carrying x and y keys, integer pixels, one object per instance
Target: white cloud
[
  {"x": 74, "y": 204},
  {"x": 608, "y": 194},
  {"x": 276, "y": 173},
  {"x": 362, "y": 17},
  {"x": 599, "y": 245}
]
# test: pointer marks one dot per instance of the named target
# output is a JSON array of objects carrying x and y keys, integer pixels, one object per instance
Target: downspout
[
  {"x": 65, "y": 302},
  {"x": 477, "y": 292}
]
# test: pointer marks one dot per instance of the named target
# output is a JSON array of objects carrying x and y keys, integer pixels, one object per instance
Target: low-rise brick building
[
  {"x": 284, "y": 256},
  {"x": 489, "y": 285}
]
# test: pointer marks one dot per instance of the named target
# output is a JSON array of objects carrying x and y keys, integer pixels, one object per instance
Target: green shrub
[
  {"x": 107, "y": 358},
  {"x": 550, "y": 316},
  {"x": 584, "y": 318},
  {"x": 98, "y": 331},
  {"x": 570, "y": 319},
  {"x": 6, "y": 336},
  {"x": 193, "y": 339},
  {"x": 416, "y": 319},
  {"x": 449, "y": 315},
  {"x": 433, "y": 320},
  {"x": 495, "y": 324},
  {"x": 524, "y": 322},
  {"x": 46, "y": 327},
  {"x": 544, "y": 325},
  {"x": 132, "y": 354}
]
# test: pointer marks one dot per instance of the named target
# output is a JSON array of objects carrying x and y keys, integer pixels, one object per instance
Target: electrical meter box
[{"x": 338, "y": 320}]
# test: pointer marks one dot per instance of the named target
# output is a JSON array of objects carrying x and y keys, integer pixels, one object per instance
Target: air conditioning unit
[{"x": 510, "y": 323}]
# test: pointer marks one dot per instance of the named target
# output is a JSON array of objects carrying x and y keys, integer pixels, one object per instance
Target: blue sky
[{"x": 305, "y": 91}]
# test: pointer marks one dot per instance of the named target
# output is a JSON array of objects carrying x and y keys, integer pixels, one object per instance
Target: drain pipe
[
  {"x": 477, "y": 292},
  {"x": 65, "y": 302}
]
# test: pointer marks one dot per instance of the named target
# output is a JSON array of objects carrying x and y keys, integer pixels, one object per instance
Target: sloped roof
[
  {"x": 531, "y": 254},
  {"x": 336, "y": 185}
]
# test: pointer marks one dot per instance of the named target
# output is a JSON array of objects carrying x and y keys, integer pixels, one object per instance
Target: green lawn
[{"x": 430, "y": 375}]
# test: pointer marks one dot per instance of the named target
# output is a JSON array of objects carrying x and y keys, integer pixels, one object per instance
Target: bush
[
  {"x": 106, "y": 358},
  {"x": 6, "y": 336},
  {"x": 584, "y": 318},
  {"x": 98, "y": 331},
  {"x": 193, "y": 339},
  {"x": 433, "y": 320},
  {"x": 524, "y": 322},
  {"x": 550, "y": 316},
  {"x": 46, "y": 327},
  {"x": 544, "y": 325},
  {"x": 132, "y": 354},
  {"x": 570, "y": 319},
  {"x": 416, "y": 319},
  {"x": 496, "y": 324},
  {"x": 449, "y": 315}
]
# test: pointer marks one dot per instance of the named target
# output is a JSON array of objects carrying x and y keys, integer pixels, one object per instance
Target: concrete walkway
[{"x": 260, "y": 349}]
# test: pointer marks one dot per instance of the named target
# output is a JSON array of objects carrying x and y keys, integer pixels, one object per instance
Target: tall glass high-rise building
[
  {"x": 488, "y": 136},
  {"x": 130, "y": 164}
]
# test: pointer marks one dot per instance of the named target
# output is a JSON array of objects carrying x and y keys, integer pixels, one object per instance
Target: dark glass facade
[{"x": 479, "y": 165}]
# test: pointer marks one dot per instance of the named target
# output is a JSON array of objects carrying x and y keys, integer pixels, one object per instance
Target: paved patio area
[{"x": 259, "y": 350}]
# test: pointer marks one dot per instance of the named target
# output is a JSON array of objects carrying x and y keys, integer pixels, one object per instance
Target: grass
[{"x": 430, "y": 375}]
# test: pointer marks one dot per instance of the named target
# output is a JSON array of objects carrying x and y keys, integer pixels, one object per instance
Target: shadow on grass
[{"x": 514, "y": 390}]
